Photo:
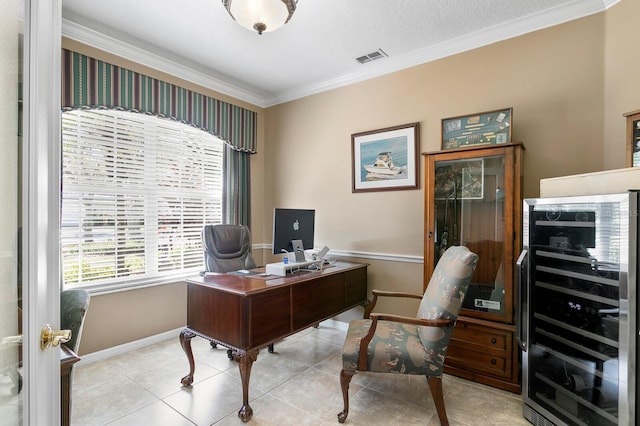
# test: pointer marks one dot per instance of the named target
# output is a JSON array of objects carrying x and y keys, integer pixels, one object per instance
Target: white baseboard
[
  {"x": 171, "y": 334},
  {"x": 340, "y": 325},
  {"x": 130, "y": 346}
]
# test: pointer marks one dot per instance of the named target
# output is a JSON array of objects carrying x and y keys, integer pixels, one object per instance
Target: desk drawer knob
[
  {"x": 494, "y": 340},
  {"x": 493, "y": 362}
]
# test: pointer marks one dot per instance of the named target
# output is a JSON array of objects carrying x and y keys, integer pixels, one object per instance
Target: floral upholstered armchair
[
  {"x": 73, "y": 308},
  {"x": 383, "y": 343}
]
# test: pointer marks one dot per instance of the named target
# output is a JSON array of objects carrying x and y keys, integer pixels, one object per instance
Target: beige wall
[
  {"x": 553, "y": 79},
  {"x": 117, "y": 318},
  {"x": 621, "y": 82},
  {"x": 558, "y": 81},
  {"x": 568, "y": 86}
]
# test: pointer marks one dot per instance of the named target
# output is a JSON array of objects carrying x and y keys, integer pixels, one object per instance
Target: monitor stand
[{"x": 298, "y": 250}]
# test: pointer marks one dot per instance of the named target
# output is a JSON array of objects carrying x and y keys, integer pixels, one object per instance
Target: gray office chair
[{"x": 227, "y": 248}]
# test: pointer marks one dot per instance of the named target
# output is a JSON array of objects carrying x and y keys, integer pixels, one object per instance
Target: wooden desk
[{"x": 248, "y": 313}]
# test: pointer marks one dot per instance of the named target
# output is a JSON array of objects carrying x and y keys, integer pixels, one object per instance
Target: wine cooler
[{"x": 577, "y": 309}]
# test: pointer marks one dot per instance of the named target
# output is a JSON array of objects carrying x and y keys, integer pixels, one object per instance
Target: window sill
[{"x": 102, "y": 289}]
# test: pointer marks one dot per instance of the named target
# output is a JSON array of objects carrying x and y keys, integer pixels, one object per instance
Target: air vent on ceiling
[{"x": 378, "y": 54}]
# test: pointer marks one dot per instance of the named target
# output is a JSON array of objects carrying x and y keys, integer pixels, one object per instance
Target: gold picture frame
[{"x": 386, "y": 159}]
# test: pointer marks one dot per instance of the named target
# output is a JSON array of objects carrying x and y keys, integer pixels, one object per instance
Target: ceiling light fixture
[{"x": 261, "y": 15}]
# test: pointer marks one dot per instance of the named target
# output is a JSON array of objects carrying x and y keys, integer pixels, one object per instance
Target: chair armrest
[
  {"x": 383, "y": 293},
  {"x": 364, "y": 342},
  {"x": 441, "y": 322}
]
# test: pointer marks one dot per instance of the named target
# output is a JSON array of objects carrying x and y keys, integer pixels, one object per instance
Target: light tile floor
[{"x": 298, "y": 384}]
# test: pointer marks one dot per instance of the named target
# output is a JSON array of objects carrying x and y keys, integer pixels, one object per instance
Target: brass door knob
[{"x": 48, "y": 337}]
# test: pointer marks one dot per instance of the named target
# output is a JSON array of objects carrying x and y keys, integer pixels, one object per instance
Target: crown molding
[
  {"x": 548, "y": 18},
  {"x": 124, "y": 50}
]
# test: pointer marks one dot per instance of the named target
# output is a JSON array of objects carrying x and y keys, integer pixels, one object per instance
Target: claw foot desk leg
[
  {"x": 245, "y": 360},
  {"x": 185, "y": 341}
]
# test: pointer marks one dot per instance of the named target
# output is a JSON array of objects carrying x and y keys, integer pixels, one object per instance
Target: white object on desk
[{"x": 283, "y": 269}]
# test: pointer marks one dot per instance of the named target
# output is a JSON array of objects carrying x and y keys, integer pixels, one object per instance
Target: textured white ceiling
[{"x": 316, "y": 50}]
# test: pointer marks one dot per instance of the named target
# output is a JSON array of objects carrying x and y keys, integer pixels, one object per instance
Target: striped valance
[{"x": 90, "y": 83}]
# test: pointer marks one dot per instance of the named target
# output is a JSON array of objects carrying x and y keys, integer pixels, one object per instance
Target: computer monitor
[{"x": 292, "y": 224}]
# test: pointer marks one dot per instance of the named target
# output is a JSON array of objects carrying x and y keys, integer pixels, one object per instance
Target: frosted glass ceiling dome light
[{"x": 261, "y": 15}]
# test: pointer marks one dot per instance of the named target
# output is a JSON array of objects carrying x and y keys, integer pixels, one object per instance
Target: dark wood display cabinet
[
  {"x": 633, "y": 138},
  {"x": 473, "y": 197}
]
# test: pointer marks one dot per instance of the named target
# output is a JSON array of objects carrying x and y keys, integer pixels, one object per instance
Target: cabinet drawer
[
  {"x": 477, "y": 335},
  {"x": 481, "y": 350}
]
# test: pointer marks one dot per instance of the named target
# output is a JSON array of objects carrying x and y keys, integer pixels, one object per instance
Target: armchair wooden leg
[
  {"x": 345, "y": 379},
  {"x": 435, "y": 384}
]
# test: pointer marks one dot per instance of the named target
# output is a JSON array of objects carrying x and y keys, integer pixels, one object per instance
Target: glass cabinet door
[
  {"x": 472, "y": 204},
  {"x": 469, "y": 211}
]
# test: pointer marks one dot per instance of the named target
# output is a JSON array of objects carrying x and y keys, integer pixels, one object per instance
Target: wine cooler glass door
[{"x": 577, "y": 325}]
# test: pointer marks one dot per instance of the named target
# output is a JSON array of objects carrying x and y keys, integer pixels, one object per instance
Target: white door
[{"x": 29, "y": 188}]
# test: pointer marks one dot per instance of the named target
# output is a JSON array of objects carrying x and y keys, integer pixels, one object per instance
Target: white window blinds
[{"x": 136, "y": 191}]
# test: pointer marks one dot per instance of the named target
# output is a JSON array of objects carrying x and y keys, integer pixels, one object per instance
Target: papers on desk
[
  {"x": 250, "y": 274},
  {"x": 254, "y": 274},
  {"x": 240, "y": 273}
]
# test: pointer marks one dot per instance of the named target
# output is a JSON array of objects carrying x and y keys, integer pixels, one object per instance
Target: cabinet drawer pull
[
  {"x": 494, "y": 340},
  {"x": 493, "y": 362}
]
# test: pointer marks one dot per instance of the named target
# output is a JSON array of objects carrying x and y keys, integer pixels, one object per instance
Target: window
[{"x": 136, "y": 190}]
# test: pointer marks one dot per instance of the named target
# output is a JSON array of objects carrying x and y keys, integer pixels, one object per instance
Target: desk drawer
[
  {"x": 215, "y": 313},
  {"x": 314, "y": 301},
  {"x": 355, "y": 287},
  {"x": 481, "y": 349},
  {"x": 270, "y": 315}
]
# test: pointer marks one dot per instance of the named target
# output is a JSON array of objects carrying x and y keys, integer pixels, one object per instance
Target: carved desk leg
[
  {"x": 185, "y": 341},
  {"x": 245, "y": 360}
]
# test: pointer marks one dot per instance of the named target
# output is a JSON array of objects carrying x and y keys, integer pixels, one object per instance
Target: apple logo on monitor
[{"x": 296, "y": 225}]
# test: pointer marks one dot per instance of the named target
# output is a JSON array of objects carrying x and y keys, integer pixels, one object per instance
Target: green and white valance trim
[{"x": 90, "y": 83}]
